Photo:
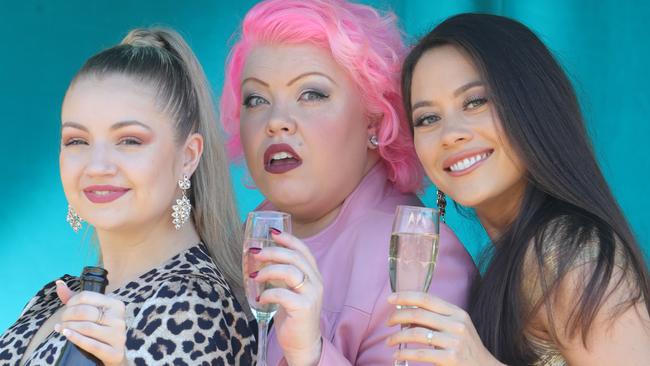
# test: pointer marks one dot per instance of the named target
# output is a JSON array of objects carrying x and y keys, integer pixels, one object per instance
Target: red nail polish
[
  {"x": 253, "y": 274},
  {"x": 257, "y": 299},
  {"x": 254, "y": 250},
  {"x": 275, "y": 231}
]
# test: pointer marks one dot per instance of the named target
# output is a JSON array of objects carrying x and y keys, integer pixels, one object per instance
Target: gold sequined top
[{"x": 554, "y": 246}]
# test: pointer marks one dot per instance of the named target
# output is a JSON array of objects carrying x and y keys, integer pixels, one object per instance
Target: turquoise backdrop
[{"x": 603, "y": 45}]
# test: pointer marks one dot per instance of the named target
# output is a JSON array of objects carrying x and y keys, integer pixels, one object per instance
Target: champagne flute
[
  {"x": 413, "y": 251},
  {"x": 257, "y": 236}
]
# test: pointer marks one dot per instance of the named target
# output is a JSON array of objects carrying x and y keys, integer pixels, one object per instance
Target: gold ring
[
  {"x": 102, "y": 310},
  {"x": 430, "y": 338},
  {"x": 302, "y": 283}
]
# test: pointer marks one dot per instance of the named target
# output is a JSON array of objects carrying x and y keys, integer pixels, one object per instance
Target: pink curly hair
[{"x": 367, "y": 45}]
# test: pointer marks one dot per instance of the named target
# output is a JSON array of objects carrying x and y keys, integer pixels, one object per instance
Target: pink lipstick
[
  {"x": 465, "y": 162},
  {"x": 104, "y": 193}
]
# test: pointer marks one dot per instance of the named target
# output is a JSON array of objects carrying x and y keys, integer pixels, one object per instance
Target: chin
[{"x": 467, "y": 200}]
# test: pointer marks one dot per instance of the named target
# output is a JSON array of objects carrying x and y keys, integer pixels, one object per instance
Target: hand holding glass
[
  {"x": 257, "y": 236},
  {"x": 413, "y": 250}
]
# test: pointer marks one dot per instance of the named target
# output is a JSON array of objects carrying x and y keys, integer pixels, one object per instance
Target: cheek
[
  {"x": 425, "y": 148},
  {"x": 71, "y": 168},
  {"x": 251, "y": 134}
]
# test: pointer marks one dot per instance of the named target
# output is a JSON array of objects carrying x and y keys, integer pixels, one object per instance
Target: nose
[
  {"x": 455, "y": 131},
  {"x": 101, "y": 162},
  {"x": 280, "y": 121}
]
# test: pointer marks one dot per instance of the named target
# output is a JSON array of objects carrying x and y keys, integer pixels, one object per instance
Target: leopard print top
[{"x": 180, "y": 313}]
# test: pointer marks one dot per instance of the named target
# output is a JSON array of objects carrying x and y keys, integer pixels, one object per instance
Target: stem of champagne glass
[
  {"x": 262, "y": 340},
  {"x": 400, "y": 347}
]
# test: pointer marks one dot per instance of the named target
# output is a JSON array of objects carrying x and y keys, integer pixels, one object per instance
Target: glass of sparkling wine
[
  {"x": 257, "y": 235},
  {"x": 413, "y": 250}
]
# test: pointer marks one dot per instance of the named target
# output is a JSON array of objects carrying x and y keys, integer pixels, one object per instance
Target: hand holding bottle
[{"x": 95, "y": 323}]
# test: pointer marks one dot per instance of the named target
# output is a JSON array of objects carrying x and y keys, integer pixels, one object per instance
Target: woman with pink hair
[{"x": 312, "y": 101}]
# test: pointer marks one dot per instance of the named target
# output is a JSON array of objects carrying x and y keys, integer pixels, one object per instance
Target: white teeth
[
  {"x": 468, "y": 162},
  {"x": 102, "y": 193},
  {"x": 281, "y": 155}
]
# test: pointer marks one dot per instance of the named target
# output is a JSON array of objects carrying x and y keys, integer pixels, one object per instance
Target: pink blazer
[{"x": 352, "y": 256}]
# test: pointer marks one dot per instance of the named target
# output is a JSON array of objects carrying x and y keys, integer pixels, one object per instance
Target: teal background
[{"x": 602, "y": 44}]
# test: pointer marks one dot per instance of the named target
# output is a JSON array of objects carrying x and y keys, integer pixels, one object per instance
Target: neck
[
  {"x": 497, "y": 213},
  {"x": 307, "y": 226},
  {"x": 128, "y": 253}
]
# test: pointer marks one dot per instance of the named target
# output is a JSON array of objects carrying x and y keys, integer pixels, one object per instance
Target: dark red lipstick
[{"x": 281, "y": 158}]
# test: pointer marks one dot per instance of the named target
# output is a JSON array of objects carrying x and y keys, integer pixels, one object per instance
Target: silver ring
[
  {"x": 430, "y": 338},
  {"x": 102, "y": 310},
  {"x": 302, "y": 283}
]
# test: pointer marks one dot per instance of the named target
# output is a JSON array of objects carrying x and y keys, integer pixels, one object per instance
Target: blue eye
[
  {"x": 253, "y": 101},
  {"x": 474, "y": 102},
  {"x": 426, "y": 120},
  {"x": 75, "y": 141},
  {"x": 312, "y": 96}
]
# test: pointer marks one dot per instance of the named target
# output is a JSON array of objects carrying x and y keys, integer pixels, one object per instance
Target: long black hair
[{"x": 566, "y": 201}]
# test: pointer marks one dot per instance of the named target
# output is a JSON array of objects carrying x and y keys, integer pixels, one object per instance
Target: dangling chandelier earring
[
  {"x": 182, "y": 208},
  {"x": 73, "y": 219},
  {"x": 441, "y": 202}
]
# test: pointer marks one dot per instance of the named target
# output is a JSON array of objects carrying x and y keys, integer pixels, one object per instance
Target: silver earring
[
  {"x": 441, "y": 202},
  {"x": 374, "y": 141},
  {"x": 182, "y": 208},
  {"x": 73, "y": 219}
]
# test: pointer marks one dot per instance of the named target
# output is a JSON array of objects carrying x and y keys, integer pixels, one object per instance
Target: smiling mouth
[
  {"x": 469, "y": 162},
  {"x": 103, "y": 194}
]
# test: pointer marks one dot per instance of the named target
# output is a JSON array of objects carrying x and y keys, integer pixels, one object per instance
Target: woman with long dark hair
[{"x": 497, "y": 126}]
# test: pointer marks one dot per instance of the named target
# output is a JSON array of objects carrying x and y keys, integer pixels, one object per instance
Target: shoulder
[
  {"x": 192, "y": 318},
  {"x": 190, "y": 282},
  {"x": 576, "y": 269},
  {"x": 47, "y": 297}
]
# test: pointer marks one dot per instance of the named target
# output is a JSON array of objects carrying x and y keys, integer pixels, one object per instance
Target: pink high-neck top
[{"x": 352, "y": 256}]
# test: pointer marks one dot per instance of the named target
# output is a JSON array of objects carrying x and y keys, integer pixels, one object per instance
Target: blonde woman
[{"x": 141, "y": 161}]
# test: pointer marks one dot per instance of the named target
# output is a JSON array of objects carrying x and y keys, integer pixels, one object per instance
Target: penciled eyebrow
[
  {"x": 255, "y": 80},
  {"x": 115, "y": 126},
  {"x": 303, "y": 75},
  {"x": 457, "y": 92},
  {"x": 310, "y": 74}
]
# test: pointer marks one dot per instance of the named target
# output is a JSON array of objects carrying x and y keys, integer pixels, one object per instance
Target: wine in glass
[
  {"x": 257, "y": 236},
  {"x": 413, "y": 250}
]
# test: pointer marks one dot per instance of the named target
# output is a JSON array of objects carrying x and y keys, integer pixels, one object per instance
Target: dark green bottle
[{"x": 92, "y": 279}]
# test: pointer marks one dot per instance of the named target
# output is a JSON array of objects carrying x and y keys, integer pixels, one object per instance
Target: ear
[
  {"x": 192, "y": 151},
  {"x": 373, "y": 123}
]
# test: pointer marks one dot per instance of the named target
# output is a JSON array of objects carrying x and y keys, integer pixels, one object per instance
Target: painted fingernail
[
  {"x": 66, "y": 332},
  {"x": 254, "y": 250},
  {"x": 257, "y": 299},
  {"x": 59, "y": 283},
  {"x": 275, "y": 231},
  {"x": 57, "y": 328},
  {"x": 253, "y": 274}
]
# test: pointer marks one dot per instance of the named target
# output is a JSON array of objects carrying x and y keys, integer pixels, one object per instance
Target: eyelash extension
[
  {"x": 320, "y": 94},
  {"x": 419, "y": 121},
  {"x": 473, "y": 99},
  {"x": 248, "y": 98}
]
